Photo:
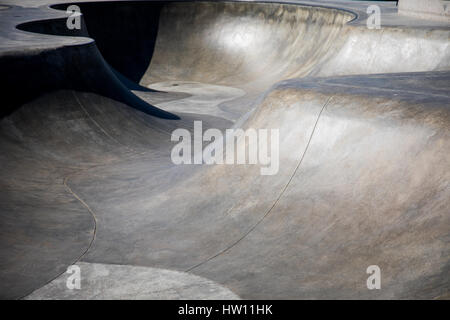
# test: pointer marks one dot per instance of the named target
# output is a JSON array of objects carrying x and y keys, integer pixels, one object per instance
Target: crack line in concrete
[
  {"x": 90, "y": 243},
  {"x": 69, "y": 189},
  {"x": 276, "y": 200}
]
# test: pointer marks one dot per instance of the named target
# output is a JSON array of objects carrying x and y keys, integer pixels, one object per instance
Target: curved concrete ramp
[{"x": 362, "y": 178}]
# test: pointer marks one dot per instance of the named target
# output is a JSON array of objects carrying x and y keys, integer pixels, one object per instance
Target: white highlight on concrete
[
  {"x": 108, "y": 281},
  {"x": 204, "y": 99}
]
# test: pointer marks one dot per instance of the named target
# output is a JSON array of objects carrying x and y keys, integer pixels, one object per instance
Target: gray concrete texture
[
  {"x": 87, "y": 178},
  {"x": 118, "y": 282},
  {"x": 426, "y": 9}
]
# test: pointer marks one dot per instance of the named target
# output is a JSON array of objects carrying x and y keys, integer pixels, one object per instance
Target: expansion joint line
[
  {"x": 90, "y": 211},
  {"x": 276, "y": 200},
  {"x": 69, "y": 189}
]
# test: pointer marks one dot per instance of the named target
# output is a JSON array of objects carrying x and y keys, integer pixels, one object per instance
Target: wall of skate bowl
[
  {"x": 248, "y": 44},
  {"x": 211, "y": 42}
]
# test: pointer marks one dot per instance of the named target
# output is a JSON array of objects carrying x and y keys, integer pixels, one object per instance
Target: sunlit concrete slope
[
  {"x": 245, "y": 44},
  {"x": 364, "y": 126}
]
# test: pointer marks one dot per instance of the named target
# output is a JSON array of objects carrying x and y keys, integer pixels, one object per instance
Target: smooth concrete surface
[
  {"x": 111, "y": 282},
  {"x": 364, "y": 123},
  {"x": 426, "y": 9}
]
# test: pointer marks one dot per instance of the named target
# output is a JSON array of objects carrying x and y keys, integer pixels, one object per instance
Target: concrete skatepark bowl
[{"x": 87, "y": 177}]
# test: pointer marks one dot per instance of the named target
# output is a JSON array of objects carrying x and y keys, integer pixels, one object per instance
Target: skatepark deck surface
[{"x": 87, "y": 177}]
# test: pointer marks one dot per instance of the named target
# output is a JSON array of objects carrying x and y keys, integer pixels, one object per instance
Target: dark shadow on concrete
[
  {"x": 127, "y": 47},
  {"x": 131, "y": 85},
  {"x": 79, "y": 67}
]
